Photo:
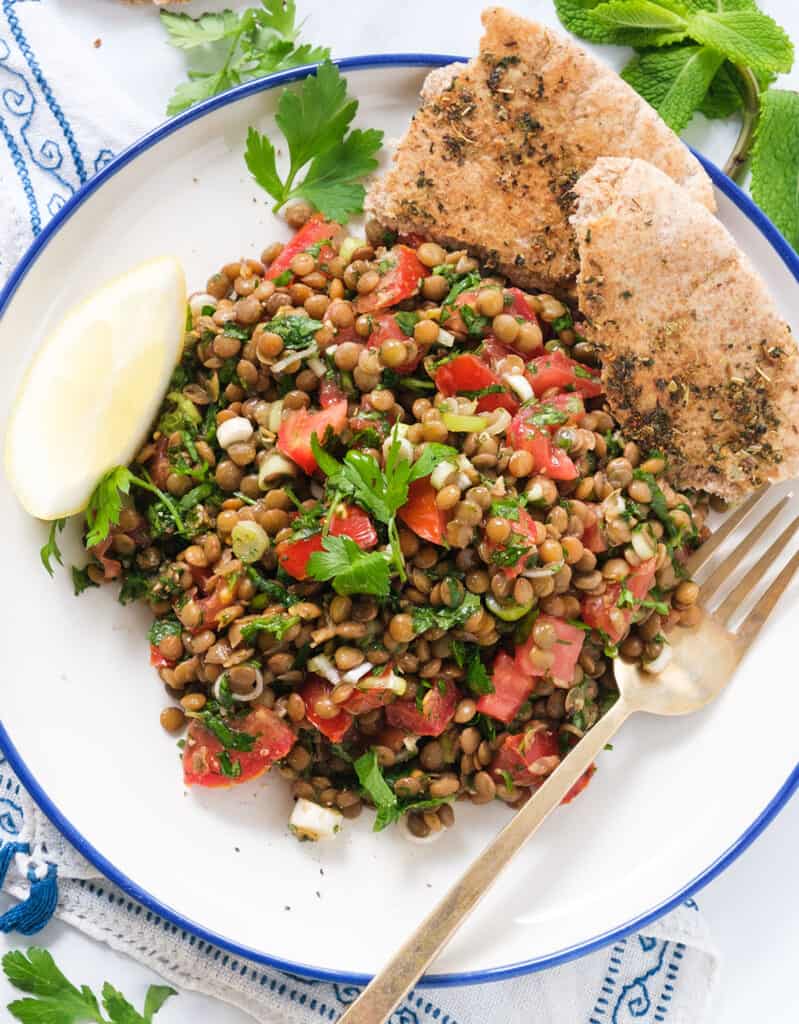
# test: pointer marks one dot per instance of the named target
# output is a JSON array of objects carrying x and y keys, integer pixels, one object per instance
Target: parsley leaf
[
  {"x": 105, "y": 503},
  {"x": 227, "y": 766},
  {"x": 81, "y": 580},
  {"x": 775, "y": 161},
  {"x": 381, "y": 492},
  {"x": 55, "y": 1000},
  {"x": 477, "y": 678},
  {"x": 315, "y": 121},
  {"x": 296, "y": 331},
  {"x": 163, "y": 627},
  {"x": 352, "y": 570},
  {"x": 425, "y": 618},
  {"x": 231, "y": 739},
  {"x": 277, "y": 625},
  {"x": 232, "y": 48},
  {"x": 50, "y": 549},
  {"x": 389, "y": 808}
]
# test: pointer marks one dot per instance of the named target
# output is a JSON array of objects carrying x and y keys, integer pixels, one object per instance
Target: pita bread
[
  {"x": 696, "y": 359},
  {"x": 492, "y": 154}
]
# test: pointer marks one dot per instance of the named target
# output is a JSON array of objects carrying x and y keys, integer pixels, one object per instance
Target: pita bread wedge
[
  {"x": 696, "y": 359},
  {"x": 491, "y": 156}
]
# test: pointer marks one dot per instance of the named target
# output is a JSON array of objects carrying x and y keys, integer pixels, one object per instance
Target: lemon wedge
[{"x": 94, "y": 387}]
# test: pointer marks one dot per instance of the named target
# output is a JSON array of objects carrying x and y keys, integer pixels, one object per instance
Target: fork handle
[{"x": 386, "y": 989}]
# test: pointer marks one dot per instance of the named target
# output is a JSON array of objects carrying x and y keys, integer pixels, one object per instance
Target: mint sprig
[{"x": 718, "y": 58}]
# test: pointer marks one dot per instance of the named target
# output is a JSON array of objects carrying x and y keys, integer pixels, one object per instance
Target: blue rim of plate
[{"x": 421, "y": 60}]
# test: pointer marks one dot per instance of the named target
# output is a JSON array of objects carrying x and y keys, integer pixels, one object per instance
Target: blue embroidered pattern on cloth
[{"x": 44, "y": 158}]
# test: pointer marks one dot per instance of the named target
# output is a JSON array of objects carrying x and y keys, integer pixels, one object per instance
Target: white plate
[{"x": 668, "y": 808}]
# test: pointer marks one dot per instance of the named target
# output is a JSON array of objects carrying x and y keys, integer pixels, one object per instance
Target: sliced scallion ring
[{"x": 507, "y": 612}]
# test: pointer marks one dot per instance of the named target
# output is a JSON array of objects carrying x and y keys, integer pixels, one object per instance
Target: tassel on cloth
[
  {"x": 35, "y": 912},
  {"x": 8, "y": 852}
]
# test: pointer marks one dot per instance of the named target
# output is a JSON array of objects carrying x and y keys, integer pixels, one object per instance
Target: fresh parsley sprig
[
  {"x": 226, "y": 48},
  {"x": 105, "y": 503},
  {"x": 53, "y": 999},
  {"x": 716, "y": 57},
  {"x": 50, "y": 549},
  {"x": 389, "y": 807},
  {"x": 381, "y": 492},
  {"x": 352, "y": 571},
  {"x": 315, "y": 121}
]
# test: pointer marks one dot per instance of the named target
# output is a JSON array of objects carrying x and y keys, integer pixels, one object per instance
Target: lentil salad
[{"x": 394, "y": 538}]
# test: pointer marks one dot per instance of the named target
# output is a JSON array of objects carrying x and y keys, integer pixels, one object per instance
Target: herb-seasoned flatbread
[
  {"x": 696, "y": 360},
  {"x": 492, "y": 154}
]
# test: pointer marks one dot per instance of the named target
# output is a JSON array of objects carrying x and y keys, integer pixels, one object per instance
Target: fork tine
[
  {"x": 755, "y": 620},
  {"x": 734, "y": 558},
  {"x": 702, "y": 555},
  {"x": 739, "y": 594}
]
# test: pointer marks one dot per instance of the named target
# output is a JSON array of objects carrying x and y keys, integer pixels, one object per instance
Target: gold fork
[{"x": 703, "y": 661}]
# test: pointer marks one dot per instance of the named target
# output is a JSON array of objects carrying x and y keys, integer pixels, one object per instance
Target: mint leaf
[
  {"x": 674, "y": 80},
  {"x": 726, "y": 93},
  {"x": 775, "y": 161},
  {"x": 352, "y": 571},
  {"x": 649, "y": 15},
  {"x": 575, "y": 15},
  {"x": 186, "y": 32},
  {"x": 746, "y": 37}
]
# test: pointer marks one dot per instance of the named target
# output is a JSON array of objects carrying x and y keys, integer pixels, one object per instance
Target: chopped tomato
[
  {"x": 580, "y": 784},
  {"x": 525, "y": 434},
  {"x": 349, "y": 521},
  {"x": 511, "y": 690},
  {"x": 567, "y": 402},
  {"x": 602, "y": 612},
  {"x": 566, "y": 649},
  {"x": 470, "y": 373},
  {"x": 201, "y": 755},
  {"x": 528, "y": 757},
  {"x": 556, "y": 370},
  {"x": 518, "y": 305},
  {"x": 438, "y": 709},
  {"x": 493, "y": 352},
  {"x": 315, "y": 230},
  {"x": 592, "y": 536},
  {"x": 464, "y": 373},
  {"x": 335, "y": 728},
  {"x": 157, "y": 660},
  {"x": 376, "y": 695},
  {"x": 330, "y": 393},
  {"x": 297, "y": 428},
  {"x": 386, "y": 328},
  {"x": 211, "y": 606},
  {"x": 421, "y": 513},
  {"x": 399, "y": 281},
  {"x": 525, "y": 533}
]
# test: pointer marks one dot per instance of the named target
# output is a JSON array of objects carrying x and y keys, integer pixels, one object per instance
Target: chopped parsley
[
  {"x": 231, "y": 739},
  {"x": 512, "y": 551},
  {"x": 407, "y": 322},
  {"x": 228, "y": 767},
  {"x": 81, "y": 580},
  {"x": 508, "y": 507},
  {"x": 425, "y": 618},
  {"x": 163, "y": 627},
  {"x": 276, "y": 625},
  {"x": 297, "y": 332}
]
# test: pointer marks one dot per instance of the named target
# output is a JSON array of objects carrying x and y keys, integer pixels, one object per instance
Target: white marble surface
[{"x": 753, "y": 908}]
